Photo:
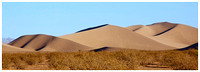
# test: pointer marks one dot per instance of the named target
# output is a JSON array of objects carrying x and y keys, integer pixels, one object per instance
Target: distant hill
[{"x": 7, "y": 40}]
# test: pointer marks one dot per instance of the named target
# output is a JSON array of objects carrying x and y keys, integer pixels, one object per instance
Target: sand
[
  {"x": 21, "y": 41},
  {"x": 41, "y": 42},
  {"x": 115, "y": 36},
  {"x": 175, "y": 35},
  {"x": 12, "y": 49},
  {"x": 158, "y": 36},
  {"x": 64, "y": 45},
  {"x": 134, "y": 27}
]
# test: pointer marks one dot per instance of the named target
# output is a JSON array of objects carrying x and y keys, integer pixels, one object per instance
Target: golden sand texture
[
  {"x": 115, "y": 36},
  {"x": 12, "y": 49}
]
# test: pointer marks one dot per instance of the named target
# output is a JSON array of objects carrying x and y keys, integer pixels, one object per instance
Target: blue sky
[{"x": 67, "y": 17}]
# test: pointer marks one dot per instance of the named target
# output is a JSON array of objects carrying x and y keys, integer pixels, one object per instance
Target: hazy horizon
[{"x": 56, "y": 19}]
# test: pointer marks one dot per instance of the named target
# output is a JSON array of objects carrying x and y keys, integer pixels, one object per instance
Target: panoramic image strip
[{"x": 100, "y": 36}]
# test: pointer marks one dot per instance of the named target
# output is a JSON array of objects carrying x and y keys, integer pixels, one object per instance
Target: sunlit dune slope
[
  {"x": 12, "y": 49},
  {"x": 114, "y": 36}
]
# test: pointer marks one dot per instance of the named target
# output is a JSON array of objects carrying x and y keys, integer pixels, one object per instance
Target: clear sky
[{"x": 64, "y": 18}]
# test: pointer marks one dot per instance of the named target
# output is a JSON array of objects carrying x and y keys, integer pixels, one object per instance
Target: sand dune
[
  {"x": 176, "y": 35},
  {"x": 33, "y": 42},
  {"x": 114, "y": 36},
  {"x": 181, "y": 36},
  {"x": 43, "y": 42},
  {"x": 64, "y": 45},
  {"x": 12, "y": 49},
  {"x": 154, "y": 29},
  {"x": 158, "y": 36},
  {"x": 38, "y": 42},
  {"x": 134, "y": 27},
  {"x": 21, "y": 41}
]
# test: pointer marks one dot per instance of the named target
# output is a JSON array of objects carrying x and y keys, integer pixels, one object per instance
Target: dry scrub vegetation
[{"x": 118, "y": 60}]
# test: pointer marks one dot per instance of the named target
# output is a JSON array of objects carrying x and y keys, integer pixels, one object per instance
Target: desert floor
[{"x": 103, "y": 60}]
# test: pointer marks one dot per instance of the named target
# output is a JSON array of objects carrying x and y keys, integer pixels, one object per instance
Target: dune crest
[
  {"x": 153, "y": 29},
  {"x": 91, "y": 28},
  {"x": 176, "y": 35}
]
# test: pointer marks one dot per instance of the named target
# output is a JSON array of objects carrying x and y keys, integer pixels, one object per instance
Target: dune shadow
[
  {"x": 91, "y": 28},
  {"x": 165, "y": 31},
  {"x": 50, "y": 39},
  {"x": 40, "y": 48},
  {"x": 100, "y": 49},
  {"x": 29, "y": 41},
  {"x": 194, "y": 46}
]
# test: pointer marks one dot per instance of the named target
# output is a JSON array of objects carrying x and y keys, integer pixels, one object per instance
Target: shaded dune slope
[
  {"x": 42, "y": 42},
  {"x": 162, "y": 27},
  {"x": 32, "y": 41},
  {"x": 107, "y": 49},
  {"x": 12, "y": 49},
  {"x": 193, "y": 46},
  {"x": 21, "y": 41},
  {"x": 114, "y": 36}
]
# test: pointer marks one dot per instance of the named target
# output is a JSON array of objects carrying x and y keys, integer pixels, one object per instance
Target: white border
[
  {"x": 198, "y": 37},
  {"x": 1, "y": 36},
  {"x": 93, "y": 1}
]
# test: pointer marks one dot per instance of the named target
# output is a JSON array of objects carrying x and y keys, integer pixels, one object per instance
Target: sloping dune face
[
  {"x": 154, "y": 29},
  {"x": 64, "y": 45},
  {"x": 176, "y": 35},
  {"x": 33, "y": 42},
  {"x": 181, "y": 36},
  {"x": 114, "y": 36},
  {"x": 48, "y": 43},
  {"x": 12, "y": 49},
  {"x": 21, "y": 41}
]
